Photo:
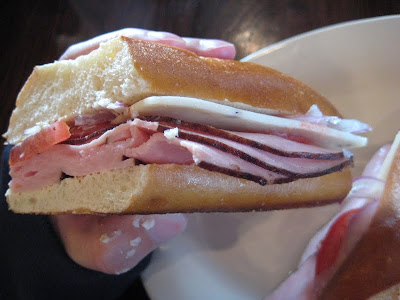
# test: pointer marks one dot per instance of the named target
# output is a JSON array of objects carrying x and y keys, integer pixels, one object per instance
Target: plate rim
[
  {"x": 282, "y": 43},
  {"x": 276, "y": 46}
]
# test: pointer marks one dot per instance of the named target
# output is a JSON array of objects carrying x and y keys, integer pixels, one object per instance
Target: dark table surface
[{"x": 38, "y": 32}]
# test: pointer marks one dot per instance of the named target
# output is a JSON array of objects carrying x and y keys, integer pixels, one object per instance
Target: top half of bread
[{"x": 127, "y": 70}]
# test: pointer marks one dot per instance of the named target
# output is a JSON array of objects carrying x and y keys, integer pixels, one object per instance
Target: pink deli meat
[{"x": 139, "y": 141}]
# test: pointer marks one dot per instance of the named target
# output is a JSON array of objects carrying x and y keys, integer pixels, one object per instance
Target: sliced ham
[
  {"x": 291, "y": 167},
  {"x": 211, "y": 156},
  {"x": 105, "y": 116},
  {"x": 283, "y": 146},
  {"x": 286, "y": 147},
  {"x": 185, "y": 152},
  {"x": 167, "y": 152},
  {"x": 223, "y": 152},
  {"x": 47, "y": 168},
  {"x": 119, "y": 147}
]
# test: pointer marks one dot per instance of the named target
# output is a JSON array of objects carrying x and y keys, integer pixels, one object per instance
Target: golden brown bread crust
[
  {"x": 193, "y": 189},
  {"x": 128, "y": 70},
  {"x": 374, "y": 264},
  {"x": 175, "y": 188},
  {"x": 174, "y": 71},
  {"x": 165, "y": 70}
]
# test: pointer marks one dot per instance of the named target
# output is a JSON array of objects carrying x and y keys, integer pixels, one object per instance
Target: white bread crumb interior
[{"x": 73, "y": 87}]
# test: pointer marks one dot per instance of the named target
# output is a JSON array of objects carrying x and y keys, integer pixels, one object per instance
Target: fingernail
[
  {"x": 227, "y": 52},
  {"x": 211, "y": 48},
  {"x": 213, "y": 44},
  {"x": 162, "y": 35},
  {"x": 166, "y": 226},
  {"x": 166, "y": 38}
]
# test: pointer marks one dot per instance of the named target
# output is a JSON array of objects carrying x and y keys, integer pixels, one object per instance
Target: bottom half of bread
[{"x": 147, "y": 189}]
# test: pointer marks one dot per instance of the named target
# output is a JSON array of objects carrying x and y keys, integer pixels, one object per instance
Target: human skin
[{"x": 116, "y": 244}]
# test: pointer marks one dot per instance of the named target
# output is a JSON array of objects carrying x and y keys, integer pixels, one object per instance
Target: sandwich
[
  {"x": 357, "y": 253},
  {"x": 140, "y": 127}
]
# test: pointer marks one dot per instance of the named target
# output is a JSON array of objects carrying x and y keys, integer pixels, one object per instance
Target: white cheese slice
[{"x": 231, "y": 118}]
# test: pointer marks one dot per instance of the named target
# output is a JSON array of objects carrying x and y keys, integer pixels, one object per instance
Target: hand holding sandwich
[
  {"x": 137, "y": 127},
  {"x": 115, "y": 244}
]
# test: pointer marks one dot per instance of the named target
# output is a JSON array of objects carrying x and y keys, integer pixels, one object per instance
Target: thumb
[{"x": 115, "y": 244}]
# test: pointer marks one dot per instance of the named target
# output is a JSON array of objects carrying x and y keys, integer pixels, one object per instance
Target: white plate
[{"x": 245, "y": 255}]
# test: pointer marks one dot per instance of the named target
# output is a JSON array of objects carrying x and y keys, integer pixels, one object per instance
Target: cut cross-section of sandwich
[{"x": 140, "y": 127}]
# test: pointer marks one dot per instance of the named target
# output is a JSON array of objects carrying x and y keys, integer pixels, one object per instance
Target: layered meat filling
[{"x": 93, "y": 144}]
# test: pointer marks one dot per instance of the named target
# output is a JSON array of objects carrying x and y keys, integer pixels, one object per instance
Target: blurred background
[{"x": 38, "y": 32}]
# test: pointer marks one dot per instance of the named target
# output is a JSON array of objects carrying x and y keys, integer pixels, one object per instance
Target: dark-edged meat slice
[{"x": 266, "y": 142}]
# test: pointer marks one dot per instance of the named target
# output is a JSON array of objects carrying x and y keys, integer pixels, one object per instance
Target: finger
[
  {"x": 156, "y": 36},
  {"x": 115, "y": 244},
  {"x": 211, "y": 48},
  {"x": 374, "y": 165}
]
